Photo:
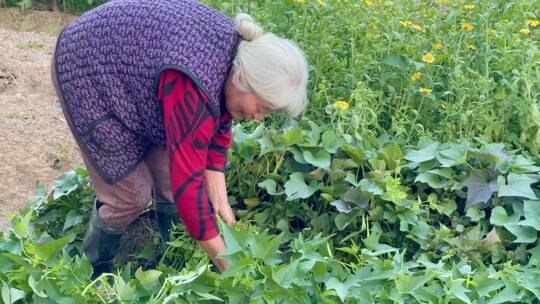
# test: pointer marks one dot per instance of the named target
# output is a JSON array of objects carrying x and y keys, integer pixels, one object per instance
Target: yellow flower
[
  {"x": 471, "y": 47},
  {"x": 301, "y": 1},
  {"x": 443, "y": 106},
  {"x": 425, "y": 90},
  {"x": 416, "y": 26},
  {"x": 466, "y": 26},
  {"x": 532, "y": 22},
  {"x": 428, "y": 58},
  {"x": 416, "y": 76},
  {"x": 469, "y": 6},
  {"x": 405, "y": 23},
  {"x": 342, "y": 105},
  {"x": 321, "y": 2},
  {"x": 437, "y": 46},
  {"x": 524, "y": 31},
  {"x": 368, "y": 2},
  {"x": 493, "y": 31}
]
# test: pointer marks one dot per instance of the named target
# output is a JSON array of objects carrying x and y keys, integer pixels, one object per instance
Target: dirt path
[{"x": 35, "y": 144}]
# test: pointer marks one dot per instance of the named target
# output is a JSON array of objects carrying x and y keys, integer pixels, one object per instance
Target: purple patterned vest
[{"x": 108, "y": 64}]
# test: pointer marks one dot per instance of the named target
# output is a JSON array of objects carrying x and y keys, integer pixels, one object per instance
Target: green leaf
[
  {"x": 486, "y": 285},
  {"x": 425, "y": 154},
  {"x": 524, "y": 234},
  {"x": 493, "y": 152},
  {"x": 66, "y": 184},
  {"x": 351, "y": 179},
  {"x": 475, "y": 214},
  {"x": 35, "y": 289},
  {"x": 341, "y": 206},
  {"x": 125, "y": 291},
  {"x": 311, "y": 133},
  {"x": 356, "y": 154},
  {"x": 291, "y": 137},
  {"x": 531, "y": 210},
  {"x": 265, "y": 247},
  {"x": 459, "y": 291},
  {"x": 340, "y": 288},
  {"x": 509, "y": 294},
  {"x": 500, "y": 218},
  {"x": 395, "y": 60},
  {"x": 372, "y": 242},
  {"x": 11, "y": 295},
  {"x": 270, "y": 186},
  {"x": 230, "y": 236},
  {"x": 358, "y": 198},
  {"x": 72, "y": 219},
  {"x": 370, "y": 186},
  {"x": 285, "y": 275},
  {"x": 208, "y": 296},
  {"x": 266, "y": 143},
  {"x": 320, "y": 160},
  {"x": 147, "y": 277},
  {"x": 298, "y": 155},
  {"x": 296, "y": 187},
  {"x": 394, "y": 191},
  {"x": 518, "y": 185},
  {"x": 392, "y": 155},
  {"x": 535, "y": 253},
  {"x": 342, "y": 220},
  {"x": 517, "y": 164},
  {"x": 433, "y": 180},
  {"x": 446, "y": 206},
  {"x": 52, "y": 248},
  {"x": 450, "y": 154},
  {"x": 481, "y": 185},
  {"x": 531, "y": 284},
  {"x": 146, "y": 253},
  {"x": 331, "y": 142},
  {"x": 422, "y": 230},
  {"x": 408, "y": 284}
]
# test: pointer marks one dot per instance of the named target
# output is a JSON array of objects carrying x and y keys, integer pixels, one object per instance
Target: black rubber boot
[
  {"x": 166, "y": 216},
  {"x": 101, "y": 243}
]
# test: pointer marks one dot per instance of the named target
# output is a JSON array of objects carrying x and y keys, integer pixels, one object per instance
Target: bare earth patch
[{"x": 36, "y": 145}]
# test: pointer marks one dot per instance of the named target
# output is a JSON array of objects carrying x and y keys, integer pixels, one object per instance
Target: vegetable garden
[{"x": 411, "y": 178}]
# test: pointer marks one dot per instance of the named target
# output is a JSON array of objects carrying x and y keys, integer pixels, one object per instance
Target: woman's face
[{"x": 245, "y": 105}]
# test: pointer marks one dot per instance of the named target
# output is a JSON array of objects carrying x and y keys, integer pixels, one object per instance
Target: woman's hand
[
  {"x": 217, "y": 193},
  {"x": 213, "y": 248}
]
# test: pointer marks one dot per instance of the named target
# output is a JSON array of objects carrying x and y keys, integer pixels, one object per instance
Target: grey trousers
[{"x": 124, "y": 200}]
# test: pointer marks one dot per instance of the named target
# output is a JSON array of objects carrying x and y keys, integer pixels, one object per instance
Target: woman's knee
[{"x": 130, "y": 196}]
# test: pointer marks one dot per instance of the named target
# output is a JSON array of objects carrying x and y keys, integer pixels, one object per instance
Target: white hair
[{"x": 272, "y": 67}]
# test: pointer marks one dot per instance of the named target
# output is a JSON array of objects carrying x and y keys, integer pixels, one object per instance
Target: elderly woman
[{"x": 149, "y": 89}]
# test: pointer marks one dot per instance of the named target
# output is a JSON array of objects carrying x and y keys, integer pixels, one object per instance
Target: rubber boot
[
  {"x": 166, "y": 217},
  {"x": 101, "y": 243}
]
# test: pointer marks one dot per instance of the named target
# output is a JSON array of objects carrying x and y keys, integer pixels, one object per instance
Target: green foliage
[
  {"x": 391, "y": 225},
  {"x": 391, "y": 195},
  {"x": 484, "y": 82}
]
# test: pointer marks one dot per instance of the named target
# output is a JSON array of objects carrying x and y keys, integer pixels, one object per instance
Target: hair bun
[{"x": 247, "y": 27}]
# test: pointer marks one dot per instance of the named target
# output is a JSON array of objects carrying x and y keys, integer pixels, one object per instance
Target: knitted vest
[{"x": 108, "y": 64}]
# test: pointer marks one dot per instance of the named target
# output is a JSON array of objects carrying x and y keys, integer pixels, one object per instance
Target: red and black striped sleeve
[
  {"x": 220, "y": 144},
  {"x": 189, "y": 128}
]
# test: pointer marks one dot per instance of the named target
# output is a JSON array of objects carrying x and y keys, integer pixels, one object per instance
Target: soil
[{"x": 36, "y": 146}]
